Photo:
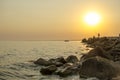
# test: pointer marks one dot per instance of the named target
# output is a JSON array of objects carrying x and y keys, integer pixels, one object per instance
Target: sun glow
[{"x": 92, "y": 18}]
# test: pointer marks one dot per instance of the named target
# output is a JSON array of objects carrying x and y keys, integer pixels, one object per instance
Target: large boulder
[
  {"x": 43, "y": 62},
  {"x": 98, "y": 51},
  {"x": 72, "y": 59},
  {"x": 97, "y": 67},
  {"x": 48, "y": 70}
]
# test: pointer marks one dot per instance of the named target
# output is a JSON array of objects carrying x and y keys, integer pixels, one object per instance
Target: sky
[{"x": 56, "y": 19}]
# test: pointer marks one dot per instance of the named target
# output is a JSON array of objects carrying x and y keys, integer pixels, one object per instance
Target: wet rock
[
  {"x": 67, "y": 64},
  {"x": 43, "y": 62},
  {"x": 48, "y": 70},
  {"x": 117, "y": 44},
  {"x": 58, "y": 61},
  {"x": 67, "y": 71},
  {"x": 58, "y": 64},
  {"x": 61, "y": 59},
  {"x": 63, "y": 67},
  {"x": 98, "y": 51},
  {"x": 116, "y": 54},
  {"x": 72, "y": 59},
  {"x": 97, "y": 67}
]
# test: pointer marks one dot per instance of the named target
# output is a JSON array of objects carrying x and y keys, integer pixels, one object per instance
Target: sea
[{"x": 16, "y": 58}]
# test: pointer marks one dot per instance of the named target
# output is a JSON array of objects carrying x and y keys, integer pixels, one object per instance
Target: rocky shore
[
  {"x": 107, "y": 51},
  {"x": 102, "y": 62}
]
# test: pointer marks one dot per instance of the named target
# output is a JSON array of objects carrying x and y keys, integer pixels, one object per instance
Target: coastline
[
  {"x": 102, "y": 61},
  {"x": 105, "y": 47}
]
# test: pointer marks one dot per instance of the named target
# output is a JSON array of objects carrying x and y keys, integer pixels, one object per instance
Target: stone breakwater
[
  {"x": 102, "y": 62},
  {"x": 110, "y": 46}
]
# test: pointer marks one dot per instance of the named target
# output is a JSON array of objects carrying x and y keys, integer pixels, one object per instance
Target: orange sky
[{"x": 56, "y": 19}]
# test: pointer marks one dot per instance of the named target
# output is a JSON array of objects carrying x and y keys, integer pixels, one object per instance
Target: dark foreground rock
[
  {"x": 48, "y": 70},
  {"x": 97, "y": 67}
]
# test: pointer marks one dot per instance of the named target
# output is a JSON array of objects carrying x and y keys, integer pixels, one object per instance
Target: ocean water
[{"x": 16, "y": 58}]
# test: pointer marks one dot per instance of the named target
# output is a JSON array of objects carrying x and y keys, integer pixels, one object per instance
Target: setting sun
[{"x": 92, "y": 18}]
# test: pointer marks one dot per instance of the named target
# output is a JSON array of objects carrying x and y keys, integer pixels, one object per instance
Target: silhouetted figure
[{"x": 98, "y": 35}]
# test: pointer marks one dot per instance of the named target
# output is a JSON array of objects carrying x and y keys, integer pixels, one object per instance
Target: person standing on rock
[{"x": 98, "y": 35}]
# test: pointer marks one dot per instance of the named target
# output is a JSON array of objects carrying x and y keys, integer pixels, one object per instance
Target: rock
[
  {"x": 58, "y": 64},
  {"x": 58, "y": 61},
  {"x": 43, "y": 62},
  {"x": 61, "y": 59},
  {"x": 97, "y": 67},
  {"x": 48, "y": 70},
  {"x": 84, "y": 40},
  {"x": 116, "y": 54},
  {"x": 63, "y": 67},
  {"x": 67, "y": 64},
  {"x": 98, "y": 51},
  {"x": 117, "y": 45},
  {"x": 72, "y": 59},
  {"x": 67, "y": 71},
  {"x": 90, "y": 41}
]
